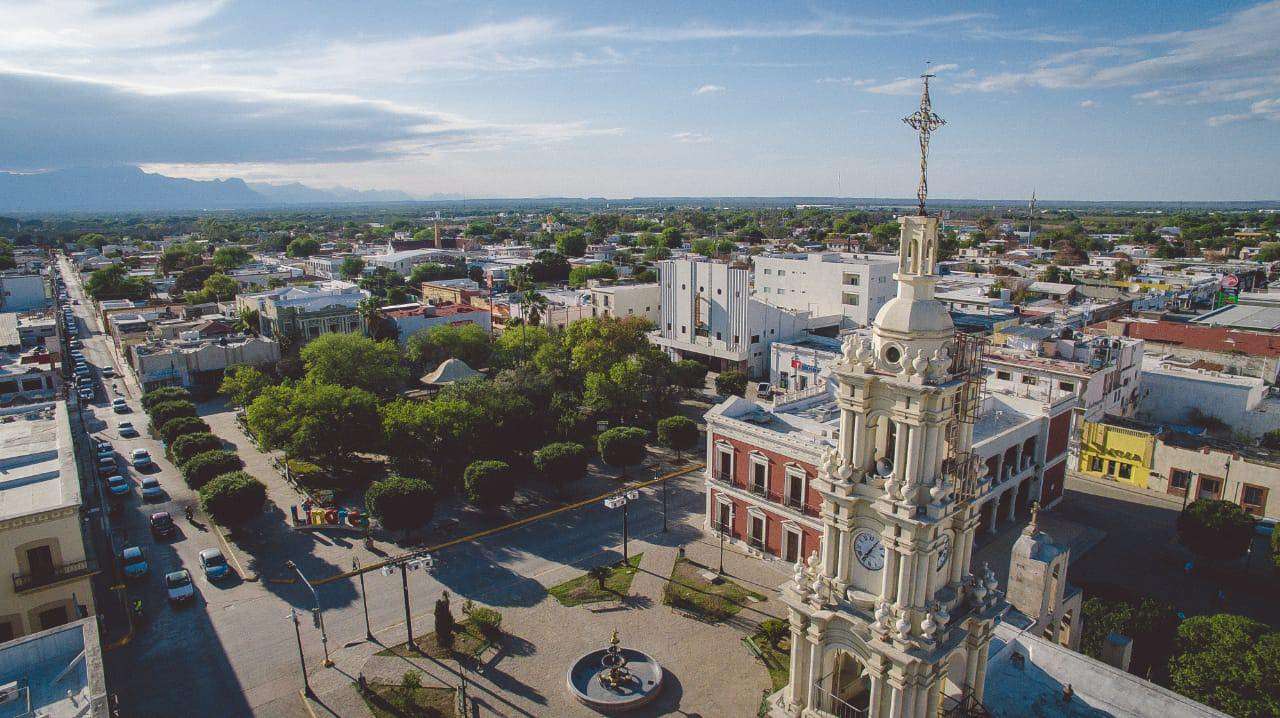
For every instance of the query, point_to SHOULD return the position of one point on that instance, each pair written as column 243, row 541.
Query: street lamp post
column 408, row 562
column 306, row 684
column 364, row 598
column 622, row 500
column 721, row 532
column 319, row 614
column 664, row 506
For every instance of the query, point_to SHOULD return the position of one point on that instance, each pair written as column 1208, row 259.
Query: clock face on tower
column 944, row 552
column 869, row 549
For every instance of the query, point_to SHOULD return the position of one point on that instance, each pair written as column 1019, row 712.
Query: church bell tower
column 891, row 621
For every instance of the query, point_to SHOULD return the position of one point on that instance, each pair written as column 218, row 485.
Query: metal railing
column 31, row 581
column 835, row 705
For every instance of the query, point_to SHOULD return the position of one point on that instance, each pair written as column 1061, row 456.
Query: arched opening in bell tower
column 846, row 690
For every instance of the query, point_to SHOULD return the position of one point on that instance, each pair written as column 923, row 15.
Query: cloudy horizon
column 1091, row 102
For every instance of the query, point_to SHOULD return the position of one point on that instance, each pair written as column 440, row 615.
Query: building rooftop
column 1000, row 413
column 431, row 310
column 37, row 462
column 1027, row 675
column 1155, row 364
column 1244, row 316
column 9, row 336
column 60, row 670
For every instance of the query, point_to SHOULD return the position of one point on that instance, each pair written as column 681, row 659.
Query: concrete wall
column 1175, row 396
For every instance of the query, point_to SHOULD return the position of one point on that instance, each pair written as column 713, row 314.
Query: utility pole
column 368, row 630
column 406, row 563
column 306, row 684
column 408, row 616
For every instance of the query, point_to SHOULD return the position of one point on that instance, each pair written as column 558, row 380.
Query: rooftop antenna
column 1032, row 216
column 924, row 122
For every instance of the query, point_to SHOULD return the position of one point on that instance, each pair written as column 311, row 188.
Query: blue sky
column 1080, row 100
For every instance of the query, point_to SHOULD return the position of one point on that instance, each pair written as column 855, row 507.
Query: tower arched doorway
column 845, row 691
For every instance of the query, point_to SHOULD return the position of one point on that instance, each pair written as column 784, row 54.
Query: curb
column 226, row 546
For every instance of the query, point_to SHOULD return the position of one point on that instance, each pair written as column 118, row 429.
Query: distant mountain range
column 129, row 189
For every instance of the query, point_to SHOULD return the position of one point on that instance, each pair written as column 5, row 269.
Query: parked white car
column 179, row 586
column 140, row 458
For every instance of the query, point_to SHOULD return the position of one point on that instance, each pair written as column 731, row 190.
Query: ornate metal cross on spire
column 924, row 122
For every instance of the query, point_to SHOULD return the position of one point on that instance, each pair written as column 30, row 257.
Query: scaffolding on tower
column 966, row 367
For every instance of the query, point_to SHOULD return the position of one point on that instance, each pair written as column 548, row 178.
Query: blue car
column 214, row 565
column 135, row 562
column 117, row 485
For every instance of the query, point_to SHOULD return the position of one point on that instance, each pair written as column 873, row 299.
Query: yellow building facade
column 1117, row 453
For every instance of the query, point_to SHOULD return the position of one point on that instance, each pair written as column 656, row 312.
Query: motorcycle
column 138, row 612
column 190, row 514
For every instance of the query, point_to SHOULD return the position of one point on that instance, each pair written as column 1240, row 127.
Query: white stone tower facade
column 891, row 621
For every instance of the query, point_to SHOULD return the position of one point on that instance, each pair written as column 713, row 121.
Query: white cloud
column 1261, row 110
column 907, row 85
column 852, row 82
column 826, row 26
column 690, row 138
column 155, row 126
column 64, row 25
column 1235, row 59
column 709, row 90
column 1088, row 104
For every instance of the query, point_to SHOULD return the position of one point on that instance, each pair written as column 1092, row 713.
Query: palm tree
column 368, row 310
column 534, row 303
column 248, row 321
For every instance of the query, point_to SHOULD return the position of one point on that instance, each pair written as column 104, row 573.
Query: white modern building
column 851, row 286
column 706, row 312
column 403, row 261
column 625, row 300
column 802, row 363
column 22, row 292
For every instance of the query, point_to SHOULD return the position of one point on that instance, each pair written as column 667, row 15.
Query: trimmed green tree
column 731, row 383
column 401, row 503
column 622, row 446
column 233, row 498
column 188, row 445
column 166, row 393
column 561, row 463
column 488, row 483
column 690, row 375
column 355, row 361
column 1228, row 662
column 243, row 383
column 181, row 426
column 1215, row 530
column 1150, row 623
column 167, row 411
column 202, row 468
column 678, row 433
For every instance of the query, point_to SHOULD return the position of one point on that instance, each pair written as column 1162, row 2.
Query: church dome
column 908, row 315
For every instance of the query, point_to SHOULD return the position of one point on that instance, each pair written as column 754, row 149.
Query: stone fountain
column 615, row 679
